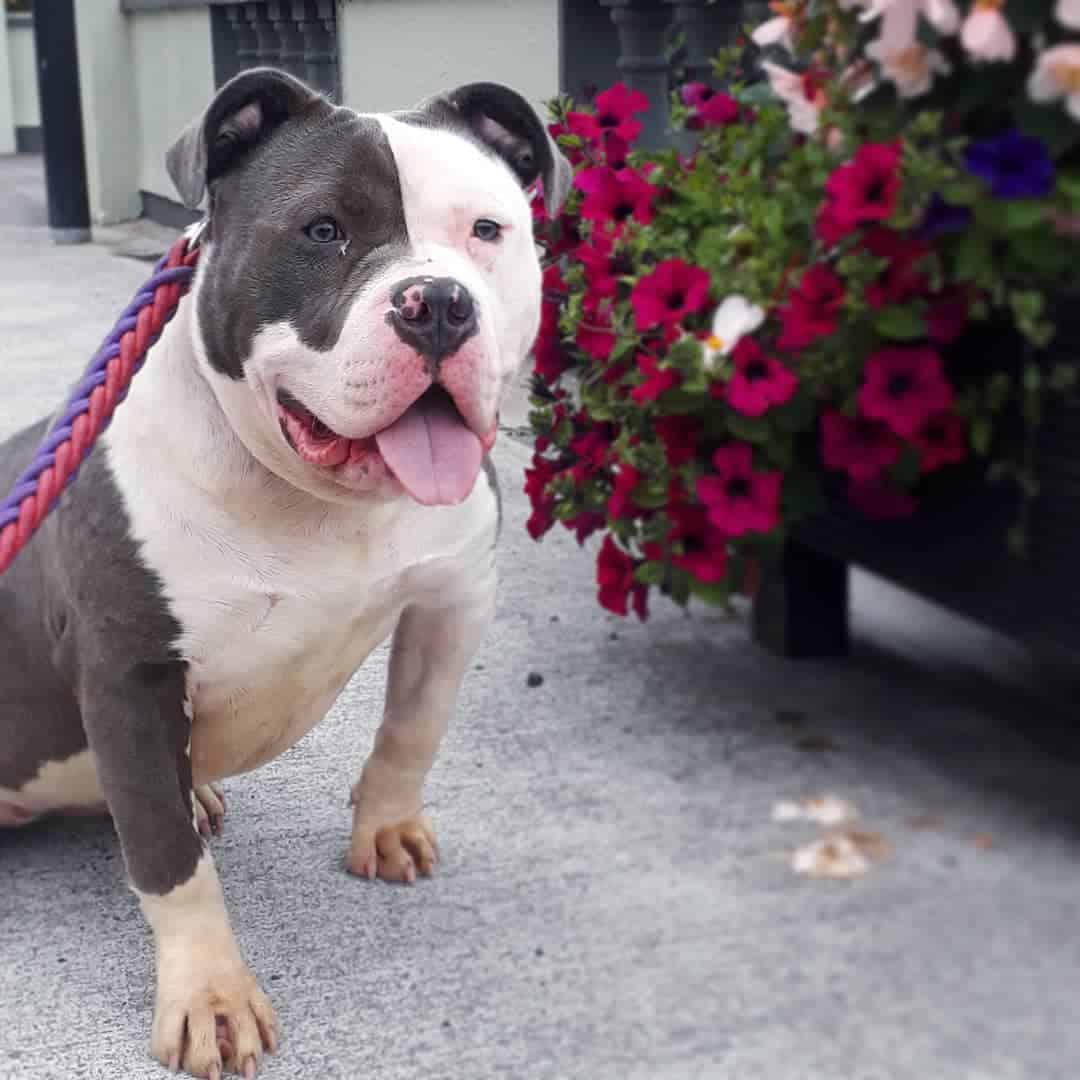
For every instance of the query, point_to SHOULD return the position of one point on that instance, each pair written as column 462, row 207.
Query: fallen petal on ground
column 823, row 809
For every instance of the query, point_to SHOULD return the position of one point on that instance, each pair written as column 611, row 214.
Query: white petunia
column 941, row 14
column 911, row 68
column 790, row 88
column 986, row 35
column 775, row 31
column 1067, row 12
column 733, row 319
column 1057, row 75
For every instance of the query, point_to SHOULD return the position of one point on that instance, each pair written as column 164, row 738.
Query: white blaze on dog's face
column 369, row 284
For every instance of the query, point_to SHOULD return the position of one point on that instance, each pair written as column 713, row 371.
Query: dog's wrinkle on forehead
column 321, row 161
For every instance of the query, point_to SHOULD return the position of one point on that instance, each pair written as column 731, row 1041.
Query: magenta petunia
column 614, row 114
column 860, row 447
column 602, row 265
column 948, row 316
column 680, row 436
column 704, row 548
column 618, row 589
column 665, row 297
column 879, row 500
column 812, row 309
column 902, row 279
column 861, row 191
column 549, row 356
column 627, row 479
column 739, row 500
column 942, row 440
column 904, row 387
column 537, row 479
column 615, row 196
column 708, row 107
column 595, row 333
column 760, row 382
column 658, row 380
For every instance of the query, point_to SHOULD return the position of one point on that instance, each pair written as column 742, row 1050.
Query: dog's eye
column 324, row 230
column 487, row 230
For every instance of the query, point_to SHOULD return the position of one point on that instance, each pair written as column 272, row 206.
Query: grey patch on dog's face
column 269, row 215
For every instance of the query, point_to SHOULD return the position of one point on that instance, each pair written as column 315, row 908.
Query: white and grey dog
column 297, row 474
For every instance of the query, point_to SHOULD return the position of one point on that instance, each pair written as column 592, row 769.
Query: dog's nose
column 434, row 315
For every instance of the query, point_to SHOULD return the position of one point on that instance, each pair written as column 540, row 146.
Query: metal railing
column 649, row 44
column 298, row 36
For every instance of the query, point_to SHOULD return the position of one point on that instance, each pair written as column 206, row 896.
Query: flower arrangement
column 845, row 290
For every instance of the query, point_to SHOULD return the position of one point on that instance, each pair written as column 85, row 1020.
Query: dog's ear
column 246, row 111
column 505, row 121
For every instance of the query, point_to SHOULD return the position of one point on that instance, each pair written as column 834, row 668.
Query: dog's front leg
column 209, row 1013
column 432, row 647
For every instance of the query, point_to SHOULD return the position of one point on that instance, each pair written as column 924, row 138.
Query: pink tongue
column 432, row 453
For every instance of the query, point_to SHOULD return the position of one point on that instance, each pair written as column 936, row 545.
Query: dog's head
column 369, row 283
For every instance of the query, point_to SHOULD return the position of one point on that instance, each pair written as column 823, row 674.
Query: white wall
column 7, row 111
column 173, row 64
column 110, row 131
column 396, row 52
column 143, row 78
column 21, row 57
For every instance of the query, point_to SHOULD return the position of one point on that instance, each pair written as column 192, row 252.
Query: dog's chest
column 267, row 660
column 275, row 615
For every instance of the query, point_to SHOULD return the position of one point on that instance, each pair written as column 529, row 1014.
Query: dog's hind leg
column 44, row 762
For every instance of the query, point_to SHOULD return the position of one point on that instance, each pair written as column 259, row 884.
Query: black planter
column 953, row 551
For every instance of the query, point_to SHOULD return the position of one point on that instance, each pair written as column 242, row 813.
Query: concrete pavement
column 614, row 901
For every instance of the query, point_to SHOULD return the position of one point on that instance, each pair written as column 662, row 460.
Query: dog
column 300, row 472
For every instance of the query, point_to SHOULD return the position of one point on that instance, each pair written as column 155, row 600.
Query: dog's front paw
column 209, row 810
column 393, row 852
column 210, row 1020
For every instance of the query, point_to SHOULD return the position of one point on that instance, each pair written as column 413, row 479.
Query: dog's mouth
column 430, row 448
column 312, row 439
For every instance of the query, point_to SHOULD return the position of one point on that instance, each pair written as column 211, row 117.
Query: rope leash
column 92, row 402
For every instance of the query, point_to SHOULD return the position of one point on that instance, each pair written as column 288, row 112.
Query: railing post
column 642, row 26
column 704, row 33
column 266, row 46
column 61, row 121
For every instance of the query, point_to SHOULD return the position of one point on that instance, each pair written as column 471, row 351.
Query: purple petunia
column 942, row 217
column 1013, row 165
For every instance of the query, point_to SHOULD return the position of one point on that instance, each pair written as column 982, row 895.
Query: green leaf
column 715, row 593
column 1050, row 123
column 973, row 256
column 780, row 453
column 1069, row 186
column 1063, row 378
column 906, row 469
column 982, row 431
column 680, row 586
column 801, row 495
column 998, row 390
column 961, row 193
column 1032, row 378
column 900, row 323
column 650, row 573
column 1020, row 214
column 747, row 428
column 1018, row 541
column 1041, row 252
column 799, row 414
